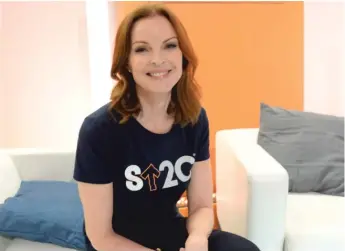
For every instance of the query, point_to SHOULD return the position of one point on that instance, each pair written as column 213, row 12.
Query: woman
column 138, row 154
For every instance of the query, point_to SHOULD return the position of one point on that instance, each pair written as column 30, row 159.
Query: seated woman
column 140, row 152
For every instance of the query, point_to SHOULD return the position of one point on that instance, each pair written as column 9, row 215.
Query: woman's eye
column 170, row 46
column 139, row 49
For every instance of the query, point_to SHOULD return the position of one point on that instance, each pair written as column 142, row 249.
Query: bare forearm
column 200, row 222
column 115, row 242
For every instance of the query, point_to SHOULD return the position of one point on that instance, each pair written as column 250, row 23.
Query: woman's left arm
column 200, row 220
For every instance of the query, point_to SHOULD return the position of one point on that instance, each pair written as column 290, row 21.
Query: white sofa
column 252, row 196
column 31, row 164
column 253, row 200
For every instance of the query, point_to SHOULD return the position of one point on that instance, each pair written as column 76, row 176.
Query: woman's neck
column 154, row 106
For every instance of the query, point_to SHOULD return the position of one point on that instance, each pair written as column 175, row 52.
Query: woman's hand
column 196, row 243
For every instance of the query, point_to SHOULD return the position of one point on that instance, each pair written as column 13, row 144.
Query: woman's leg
column 224, row 241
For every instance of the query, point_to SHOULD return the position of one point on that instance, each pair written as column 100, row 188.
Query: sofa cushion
column 9, row 178
column 309, row 146
column 44, row 211
column 314, row 222
column 25, row 245
column 4, row 242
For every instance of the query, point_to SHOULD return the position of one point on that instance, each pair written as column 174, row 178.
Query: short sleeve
column 202, row 137
column 92, row 164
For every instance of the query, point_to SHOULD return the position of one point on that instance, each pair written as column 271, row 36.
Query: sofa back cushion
column 309, row 146
column 44, row 164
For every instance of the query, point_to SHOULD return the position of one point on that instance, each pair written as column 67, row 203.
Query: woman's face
column 155, row 59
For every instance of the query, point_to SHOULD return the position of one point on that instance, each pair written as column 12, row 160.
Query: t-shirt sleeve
column 203, row 137
column 92, row 163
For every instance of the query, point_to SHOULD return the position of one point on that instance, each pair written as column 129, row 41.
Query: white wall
column 2, row 89
column 46, row 72
column 98, row 37
column 324, row 65
column 112, row 24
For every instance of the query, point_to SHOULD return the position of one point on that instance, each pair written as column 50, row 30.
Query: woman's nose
column 157, row 59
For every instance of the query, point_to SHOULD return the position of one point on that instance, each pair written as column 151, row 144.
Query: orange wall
column 248, row 53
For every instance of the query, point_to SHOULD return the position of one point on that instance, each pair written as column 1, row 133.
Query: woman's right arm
column 97, row 201
column 94, row 173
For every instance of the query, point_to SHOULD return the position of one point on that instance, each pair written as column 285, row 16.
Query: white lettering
column 178, row 167
column 133, row 183
column 169, row 182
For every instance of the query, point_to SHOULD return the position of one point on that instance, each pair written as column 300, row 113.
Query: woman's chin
column 161, row 89
column 158, row 87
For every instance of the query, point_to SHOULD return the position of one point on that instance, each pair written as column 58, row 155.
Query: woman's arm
column 97, row 202
column 200, row 220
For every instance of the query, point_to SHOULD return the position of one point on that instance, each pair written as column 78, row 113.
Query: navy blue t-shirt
column 149, row 171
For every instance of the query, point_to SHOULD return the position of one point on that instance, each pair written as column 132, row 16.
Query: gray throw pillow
column 309, row 146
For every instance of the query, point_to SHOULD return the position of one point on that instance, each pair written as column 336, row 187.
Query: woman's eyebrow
column 144, row 42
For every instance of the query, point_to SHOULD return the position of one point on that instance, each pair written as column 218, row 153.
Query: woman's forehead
column 152, row 29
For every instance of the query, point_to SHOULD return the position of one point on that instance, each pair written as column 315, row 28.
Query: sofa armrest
column 42, row 164
column 4, row 242
column 9, row 178
column 252, row 189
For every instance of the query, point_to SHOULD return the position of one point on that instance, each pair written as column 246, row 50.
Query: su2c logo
column 135, row 178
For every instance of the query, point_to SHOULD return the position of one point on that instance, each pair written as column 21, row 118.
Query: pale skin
column 152, row 46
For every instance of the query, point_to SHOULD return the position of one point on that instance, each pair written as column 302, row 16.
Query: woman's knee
column 224, row 241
